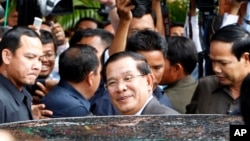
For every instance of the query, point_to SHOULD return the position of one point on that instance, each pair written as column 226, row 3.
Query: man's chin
column 225, row 83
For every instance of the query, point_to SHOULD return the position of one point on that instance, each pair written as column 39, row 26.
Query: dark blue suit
column 65, row 101
column 101, row 103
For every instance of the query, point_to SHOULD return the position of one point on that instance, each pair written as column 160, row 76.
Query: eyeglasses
column 48, row 56
column 126, row 79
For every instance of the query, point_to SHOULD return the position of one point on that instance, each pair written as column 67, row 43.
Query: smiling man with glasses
column 129, row 82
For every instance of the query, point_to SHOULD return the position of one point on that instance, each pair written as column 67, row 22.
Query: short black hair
column 177, row 24
column 85, row 19
column 77, row 62
column 105, row 36
column 142, row 64
column 140, row 11
column 235, row 34
column 182, row 50
column 47, row 37
column 12, row 38
column 147, row 40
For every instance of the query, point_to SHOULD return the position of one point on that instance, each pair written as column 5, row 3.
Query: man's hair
column 147, row 40
column 140, row 11
column 235, row 34
column 176, row 24
column 47, row 37
column 77, row 62
column 106, row 37
column 244, row 99
column 85, row 19
column 182, row 50
column 12, row 39
column 141, row 65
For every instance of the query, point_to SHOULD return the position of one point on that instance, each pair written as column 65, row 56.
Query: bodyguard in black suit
column 21, row 50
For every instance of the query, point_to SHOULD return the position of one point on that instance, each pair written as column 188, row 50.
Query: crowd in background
column 128, row 66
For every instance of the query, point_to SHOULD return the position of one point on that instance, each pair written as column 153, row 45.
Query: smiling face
column 48, row 61
column 227, row 68
column 24, row 66
column 130, row 96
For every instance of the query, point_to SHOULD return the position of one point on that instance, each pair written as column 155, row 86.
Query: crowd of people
column 131, row 68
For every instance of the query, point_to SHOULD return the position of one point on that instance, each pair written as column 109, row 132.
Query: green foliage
column 177, row 10
column 68, row 21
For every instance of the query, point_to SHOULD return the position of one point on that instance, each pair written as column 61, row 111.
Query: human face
column 227, row 68
column 156, row 61
column 169, row 75
column 87, row 24
column 128, row 97
column 96, row 80
column 48, row 60
column 24, row 66
column 110, row 29
column 138, row 24
column 177, row 31
column 96, row 42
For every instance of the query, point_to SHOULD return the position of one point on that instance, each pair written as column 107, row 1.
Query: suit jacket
column 155, row 108
column 181, row 92
column 65, row 101
column 15, row 105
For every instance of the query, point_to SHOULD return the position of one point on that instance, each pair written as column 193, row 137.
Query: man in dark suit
column 129, row 82
column 21, row 53
column 79, row 69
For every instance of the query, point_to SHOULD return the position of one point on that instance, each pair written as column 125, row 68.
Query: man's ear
column 6, row 56
column 246, row 57
column 150, row 79
column 90, row 77
column 178, row 68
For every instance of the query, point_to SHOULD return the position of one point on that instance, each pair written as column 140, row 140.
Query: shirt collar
column 140, row 111
column 16, row 94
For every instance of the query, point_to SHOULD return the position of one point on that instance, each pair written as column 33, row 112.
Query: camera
column 145, row 3
column 206, row 5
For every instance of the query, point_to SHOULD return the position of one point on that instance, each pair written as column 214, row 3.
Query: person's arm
column 113, row 16
column 119, row 42
column 195, row 26
column 232, row 17
column 156, row 7
column 62, row 42
column 246, row 20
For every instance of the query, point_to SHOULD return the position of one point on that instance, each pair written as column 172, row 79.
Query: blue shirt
column 66, row 101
